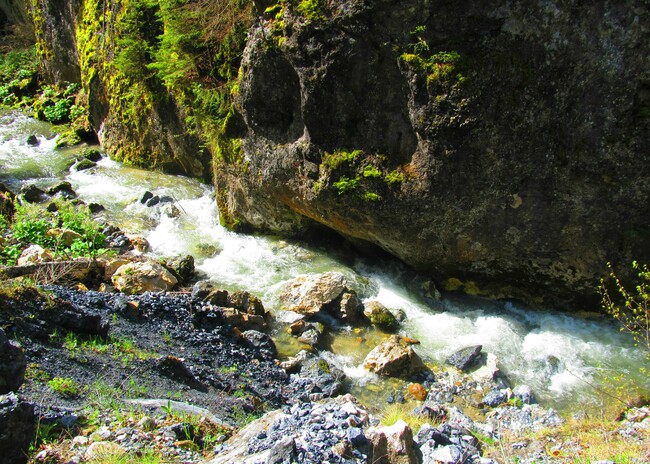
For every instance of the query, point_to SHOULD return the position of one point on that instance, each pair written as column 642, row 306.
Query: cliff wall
column 502, row 147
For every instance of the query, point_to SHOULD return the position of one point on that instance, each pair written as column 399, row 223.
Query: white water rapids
column 561, row 357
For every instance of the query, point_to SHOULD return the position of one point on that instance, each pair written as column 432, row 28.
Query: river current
column 565, row 359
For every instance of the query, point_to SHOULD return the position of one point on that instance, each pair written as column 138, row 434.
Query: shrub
column 630, row 307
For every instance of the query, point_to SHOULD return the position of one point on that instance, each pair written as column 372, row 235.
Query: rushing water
column 560, row 356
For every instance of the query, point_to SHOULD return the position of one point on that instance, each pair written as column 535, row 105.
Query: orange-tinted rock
column 418, row 391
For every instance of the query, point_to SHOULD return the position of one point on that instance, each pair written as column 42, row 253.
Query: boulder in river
column 465, row 358
column 380, row 316
column 33, row 194
column 394, row 358
column 329, row 293
column 140, row 277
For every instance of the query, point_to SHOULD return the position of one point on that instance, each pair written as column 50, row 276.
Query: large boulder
column 17, row 427
column 12, row 365
column 395, row 358
column 328, row 293
column 392, row 444
column 140, row 277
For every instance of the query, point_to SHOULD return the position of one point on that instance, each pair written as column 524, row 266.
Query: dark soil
column 143, row 346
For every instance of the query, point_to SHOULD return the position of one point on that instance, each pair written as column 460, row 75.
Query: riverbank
column 153, row 380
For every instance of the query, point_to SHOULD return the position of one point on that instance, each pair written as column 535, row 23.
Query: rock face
column 12, row 365
column 16, row 429
column 394, row 358
column 504, row 144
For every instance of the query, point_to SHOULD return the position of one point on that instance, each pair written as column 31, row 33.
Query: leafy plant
column 371, row 172
column 340, row 157
column 631, row 308
column 64, row 386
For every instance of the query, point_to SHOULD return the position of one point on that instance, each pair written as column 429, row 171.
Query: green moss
column 371, row 196
column 340, row 158
column 313, row 10
column 324, row 366
column 345, row 185
column 371, row 172
column 394, row 177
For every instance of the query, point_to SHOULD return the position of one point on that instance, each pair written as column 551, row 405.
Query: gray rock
column 261, row 341
column 465, row 358
column 84, row 164
column 495, row 398
column 12, row 364
column 17, row 428
column 524, row 393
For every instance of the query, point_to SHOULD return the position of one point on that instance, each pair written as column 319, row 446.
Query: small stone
column 495, row 398
column 418, row 391
column 80, row 441
column 147, row 423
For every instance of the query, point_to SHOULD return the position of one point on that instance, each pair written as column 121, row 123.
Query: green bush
column 345, row 185
column 630, row 307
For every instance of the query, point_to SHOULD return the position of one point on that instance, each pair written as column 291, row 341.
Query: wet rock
column 34, row 254
column 465, row 358
column 321, row 293
column 153, row 201
column 182, row 267
column 32, row 140
column 393, row 358
column 65, row 236
column 83, row 165
column 92, row 154
column 12, row 364
column 140, row 277
column 138, row 243
column 262, row 342
column 380, row 316
column 17, row 427
column 33, row 194
column 524, row 393
column 95, row 208
column 146, row 196
column 392, row 444
column 64, row 189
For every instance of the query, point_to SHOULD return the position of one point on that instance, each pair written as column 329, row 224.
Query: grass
column 579, row 441
column 404, row 411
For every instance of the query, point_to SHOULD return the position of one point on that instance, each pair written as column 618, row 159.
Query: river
column 565, row 359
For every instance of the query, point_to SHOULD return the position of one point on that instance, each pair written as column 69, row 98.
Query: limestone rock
column 34, row 254
column 17, row 427
column 140, row 277
column 393, row 358
column 329, row 293
column 380, row 316
column 392, row 444
column 12, row 365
